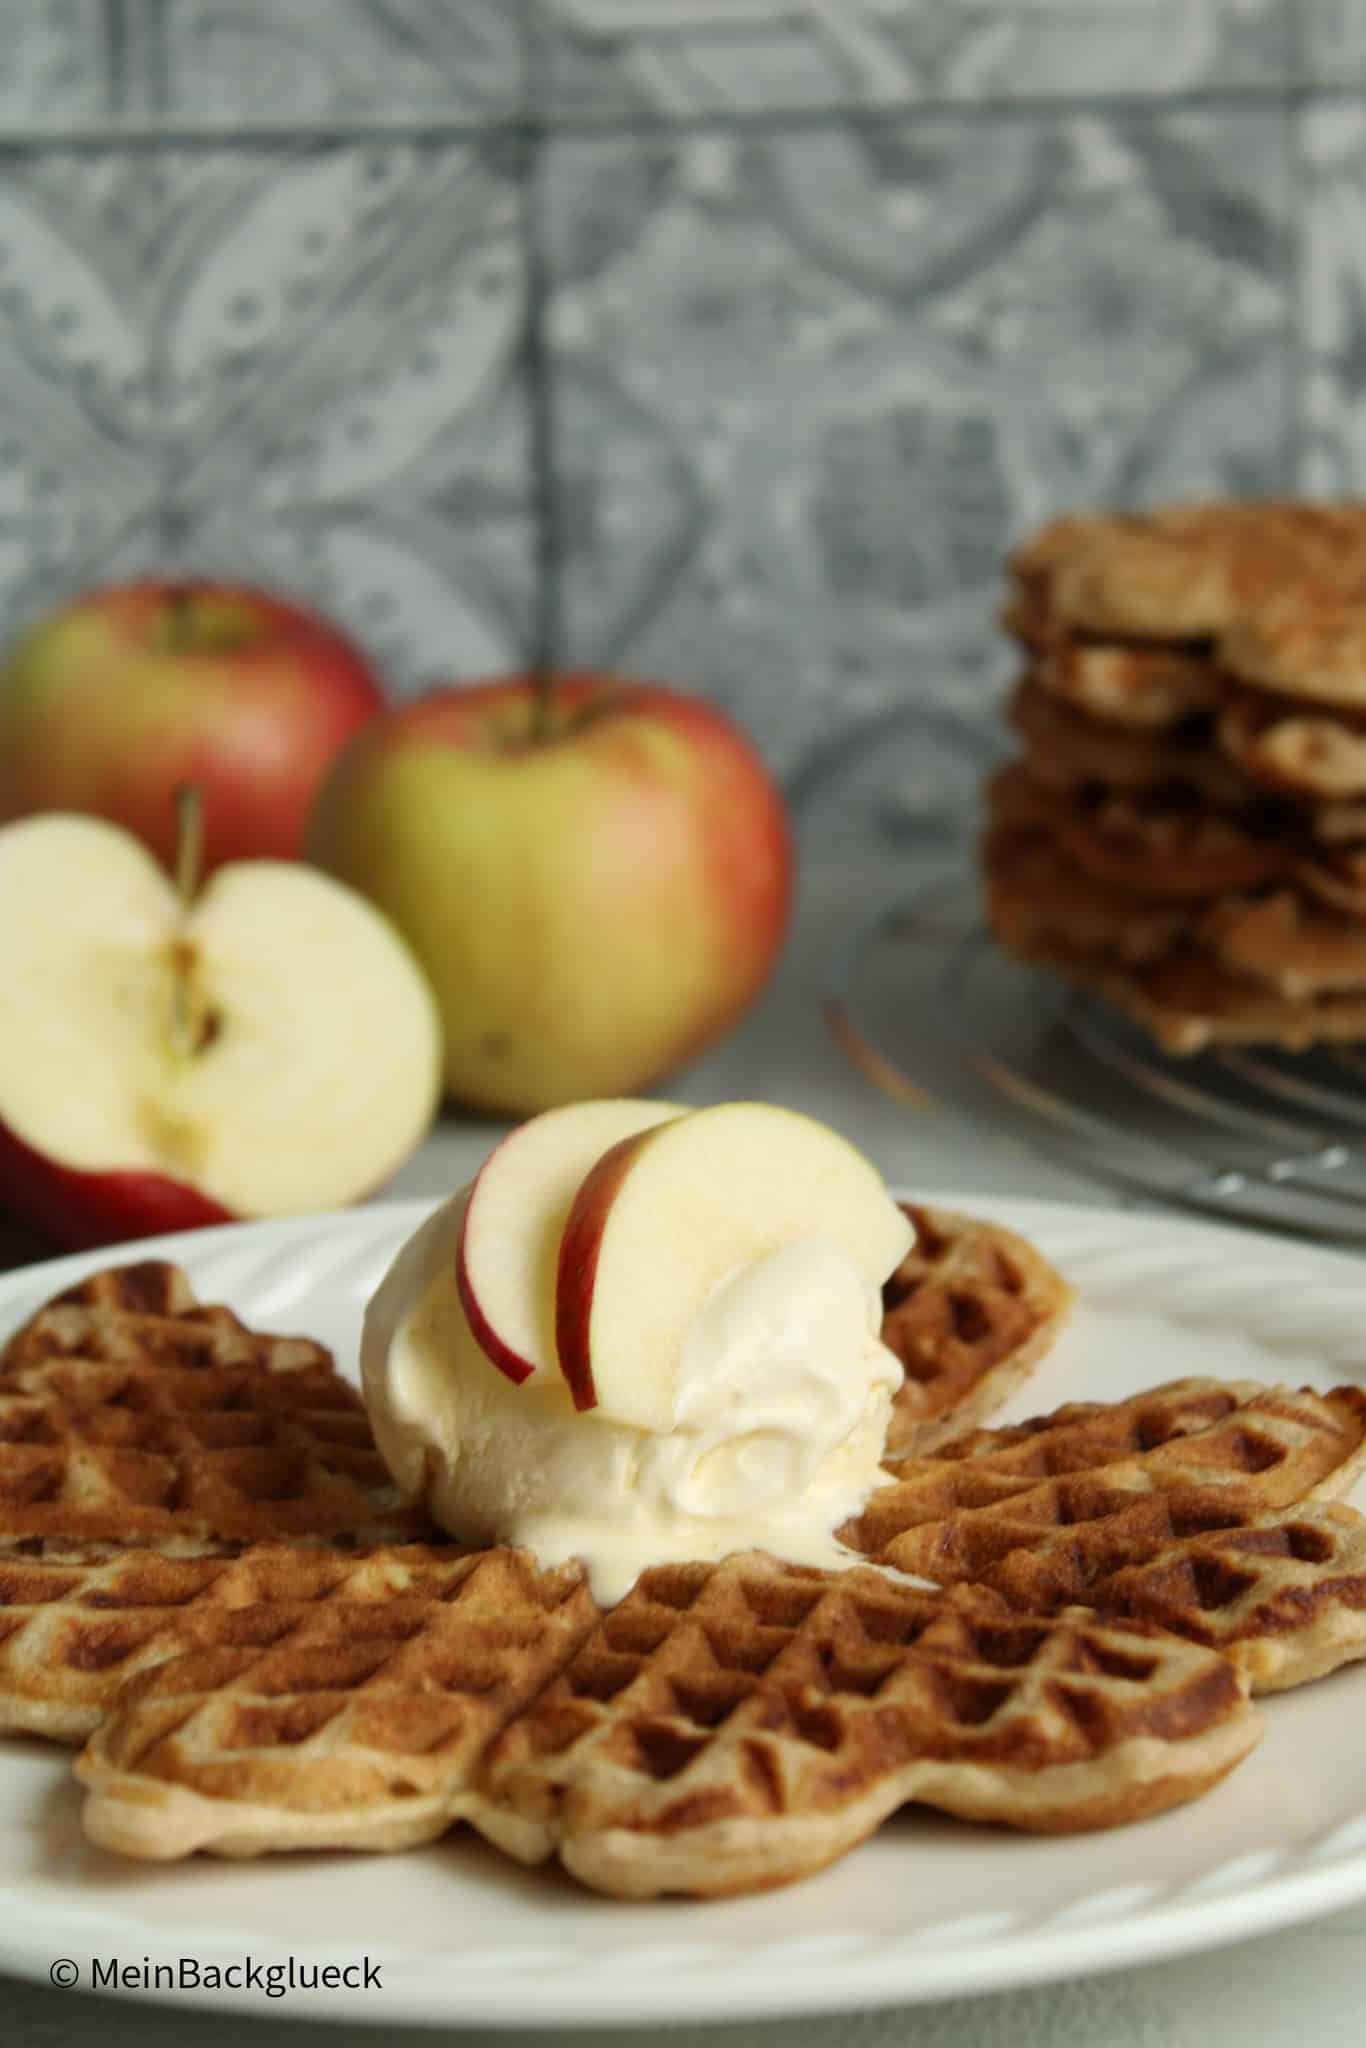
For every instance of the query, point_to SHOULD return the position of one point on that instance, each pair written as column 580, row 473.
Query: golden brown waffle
column 1337, row 875
column 1134, row 691
column 1301, row 641
column 131, row 1413
column 1119, row 1577
column 1160, row 843
column 1067, row 750
column 1161, row 642
column 1296, row 1444
column 739, row 1725
column 729, row 1725
column 1337, row 824
column 1287, row 944
column 143, row 1314
column 969, row 1312
column 1203, row 1497
column 1035, row 895
column 320, row 1703
column 1187, row 571
column 1309, row 753
column 1166, row 846
column 1189, row 1003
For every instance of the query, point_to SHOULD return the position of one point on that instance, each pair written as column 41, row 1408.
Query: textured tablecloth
column 1302, row 1988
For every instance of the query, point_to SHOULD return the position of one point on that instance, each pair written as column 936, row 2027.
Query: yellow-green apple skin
column 593, row 904
column 112, row 703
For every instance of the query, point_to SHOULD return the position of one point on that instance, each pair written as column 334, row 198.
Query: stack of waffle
column 1185, row 828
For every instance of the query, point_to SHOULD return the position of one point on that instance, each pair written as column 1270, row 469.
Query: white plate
column 927, row 1908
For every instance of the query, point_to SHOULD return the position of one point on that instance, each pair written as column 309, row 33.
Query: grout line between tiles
column 114, row 25
column 168, row 132
column 156, row 57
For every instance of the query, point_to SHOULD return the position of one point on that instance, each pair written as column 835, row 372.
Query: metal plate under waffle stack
column 922, row 998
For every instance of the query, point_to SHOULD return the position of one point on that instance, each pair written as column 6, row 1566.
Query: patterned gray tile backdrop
column 730, row 341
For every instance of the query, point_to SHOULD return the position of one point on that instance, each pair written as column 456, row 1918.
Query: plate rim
column 774, row 1980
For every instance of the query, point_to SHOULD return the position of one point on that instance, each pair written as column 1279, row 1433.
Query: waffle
column 321, row 1702
column 1337, row 875
column 1158, row 843
column 1302, row 642
column 1302, row 750
column 1163, row 845
column 1210, row 1506
column 1133, row 691
column 1194, row 728
column 144, row 1314
column 1067, row 750
column 1036, row 896
column 1118, row 1579
column 1187, row 1002
column 969, row 1311
column 1287, row 944
column 1188, row 571
column 1337, row 824
column 131, row 1413
column 735, row 1726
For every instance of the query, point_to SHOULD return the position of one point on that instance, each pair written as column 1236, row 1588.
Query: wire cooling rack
column 924, row 1002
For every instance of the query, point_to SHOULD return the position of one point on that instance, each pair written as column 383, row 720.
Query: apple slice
column 268, row 1046
column 510, row 1238
column 666, row 1215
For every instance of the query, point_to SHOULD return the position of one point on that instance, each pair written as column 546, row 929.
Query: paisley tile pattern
column 687, row 58
column 58, row 62
column 809, row 385
column 1333, row 141
column 224, row 63
column 733, row 340
column 1333, row 36
column 296, row 365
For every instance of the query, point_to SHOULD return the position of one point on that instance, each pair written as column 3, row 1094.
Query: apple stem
column 189, row 842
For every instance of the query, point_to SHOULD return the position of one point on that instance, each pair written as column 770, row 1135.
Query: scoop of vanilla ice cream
column 782, row 1405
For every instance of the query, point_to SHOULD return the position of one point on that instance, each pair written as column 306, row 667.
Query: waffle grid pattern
column 129, row 1412
column 968, row 1311
column 754, row 1716
column 1120, row 1578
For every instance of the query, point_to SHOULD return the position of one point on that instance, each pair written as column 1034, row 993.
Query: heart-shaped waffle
column 1209, row 1504
column 316, row 1701
column 132, row 1413
column 735, row 1726
column 969, row 1311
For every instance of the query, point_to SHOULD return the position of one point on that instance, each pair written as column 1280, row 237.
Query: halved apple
column 167, row 1059
column 509, row 1243
column 666, row 1215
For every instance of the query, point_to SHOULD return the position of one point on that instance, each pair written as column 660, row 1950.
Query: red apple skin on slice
column 665, row 1217
column 579, row 1249
column 517, row 1368
column 80, row 1210
column 505, row 1268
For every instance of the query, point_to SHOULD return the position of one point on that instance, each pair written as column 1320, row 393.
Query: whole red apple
column 110, row 704
column 596, row 877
